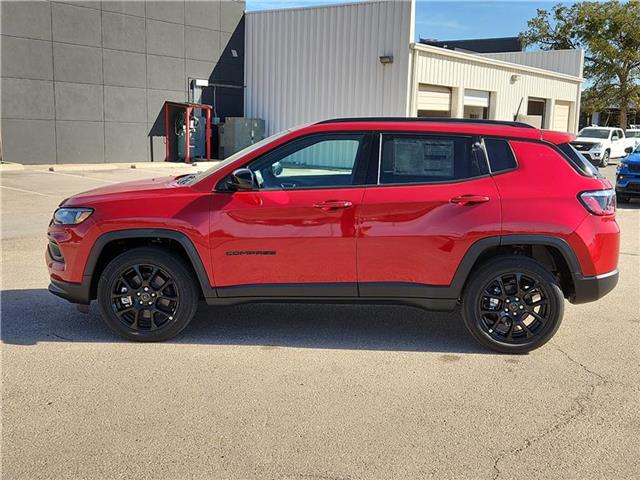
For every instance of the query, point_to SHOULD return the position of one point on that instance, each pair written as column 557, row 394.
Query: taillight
column 599, row 202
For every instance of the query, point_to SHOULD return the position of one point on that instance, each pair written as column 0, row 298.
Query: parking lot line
column 25, row 191
column 82, row 176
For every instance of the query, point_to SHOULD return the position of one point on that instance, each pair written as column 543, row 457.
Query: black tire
column 604, row 161
column 521, row 324
column 158, row 277
column 622, row 198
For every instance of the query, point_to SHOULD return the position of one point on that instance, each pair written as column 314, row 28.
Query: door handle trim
column 333, row 204
column 469, row 199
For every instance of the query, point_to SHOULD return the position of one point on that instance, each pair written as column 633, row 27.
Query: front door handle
column 469, row 199
column 331, row 205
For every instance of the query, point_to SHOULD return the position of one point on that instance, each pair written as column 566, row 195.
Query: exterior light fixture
column 385, row 59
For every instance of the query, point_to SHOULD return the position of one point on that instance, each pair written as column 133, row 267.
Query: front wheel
column 147, row 294
column 512, row 305
column 605, row 159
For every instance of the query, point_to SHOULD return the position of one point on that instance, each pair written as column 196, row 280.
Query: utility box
column 237, row 133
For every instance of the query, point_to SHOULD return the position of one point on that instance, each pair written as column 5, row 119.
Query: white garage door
column 561, row 116
column 433, row 98
column 476, row 98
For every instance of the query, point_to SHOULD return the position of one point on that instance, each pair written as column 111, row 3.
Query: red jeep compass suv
column 499, row 217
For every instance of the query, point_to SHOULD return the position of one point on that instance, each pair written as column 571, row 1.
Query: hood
column 591, row 140
column 132, row 190
column 633, row 158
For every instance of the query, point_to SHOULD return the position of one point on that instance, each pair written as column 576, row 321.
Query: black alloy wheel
column 513, row 305
column 147, row 294
column 144, row 297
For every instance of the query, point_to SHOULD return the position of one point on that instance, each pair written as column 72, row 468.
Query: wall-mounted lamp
column 515, row 78
column 385, row 59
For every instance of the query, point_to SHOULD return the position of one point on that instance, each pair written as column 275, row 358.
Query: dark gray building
column 85, row 81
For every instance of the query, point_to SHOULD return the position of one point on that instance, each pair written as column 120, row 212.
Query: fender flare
column 479, row 247
column 162, row 233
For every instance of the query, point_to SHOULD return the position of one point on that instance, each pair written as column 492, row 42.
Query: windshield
column 633, row 133
column 594, row 133
column 195, row 177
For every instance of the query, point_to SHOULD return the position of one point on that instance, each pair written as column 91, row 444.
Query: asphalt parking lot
column 304, row 391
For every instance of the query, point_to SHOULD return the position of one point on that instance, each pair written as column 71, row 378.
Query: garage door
column 476, row 98
column 561, row 116
column 433, row 98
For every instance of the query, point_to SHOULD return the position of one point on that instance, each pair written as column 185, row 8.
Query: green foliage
column 609, row 33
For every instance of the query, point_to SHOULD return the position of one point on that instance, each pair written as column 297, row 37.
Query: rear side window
column 577, row 161
column 409, row 158
column 500, row 155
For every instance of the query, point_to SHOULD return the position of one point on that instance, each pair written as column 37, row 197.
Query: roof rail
column 427, row 119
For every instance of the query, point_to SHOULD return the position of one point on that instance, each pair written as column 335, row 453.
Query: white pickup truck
column 600, row 144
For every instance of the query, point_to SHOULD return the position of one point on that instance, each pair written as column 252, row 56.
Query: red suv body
column 431, row 213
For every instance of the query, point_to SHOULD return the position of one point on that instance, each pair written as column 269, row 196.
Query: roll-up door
column 433, row 98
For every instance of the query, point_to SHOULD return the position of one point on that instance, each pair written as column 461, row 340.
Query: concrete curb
column 74, row 167
column 11, row 167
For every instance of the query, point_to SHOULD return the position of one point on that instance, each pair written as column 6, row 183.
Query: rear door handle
column 469, row 199
column 330, row 205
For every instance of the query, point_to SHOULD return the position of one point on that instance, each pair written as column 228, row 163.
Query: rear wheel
column 147, row 294
column 513, row 305
column 604, row 161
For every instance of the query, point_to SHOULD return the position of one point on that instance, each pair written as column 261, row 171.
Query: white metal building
column 308, row 64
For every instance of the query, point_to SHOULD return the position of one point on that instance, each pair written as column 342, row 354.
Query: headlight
column 622, row 165
column 71, row 216
column 597, row 146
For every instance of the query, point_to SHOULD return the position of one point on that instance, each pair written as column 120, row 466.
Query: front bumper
column 629, row 184
column 589, row 289
column 79, row 293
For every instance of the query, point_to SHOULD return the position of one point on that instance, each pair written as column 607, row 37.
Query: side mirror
column 628, row 150
column 614, row 138
column 241, row 179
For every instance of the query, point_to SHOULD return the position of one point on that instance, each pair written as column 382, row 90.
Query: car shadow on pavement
column 33, row 316
column 634, row 204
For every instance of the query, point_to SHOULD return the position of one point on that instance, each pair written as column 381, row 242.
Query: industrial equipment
column 237, row 133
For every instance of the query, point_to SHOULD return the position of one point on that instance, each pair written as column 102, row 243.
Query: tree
column 608, row 33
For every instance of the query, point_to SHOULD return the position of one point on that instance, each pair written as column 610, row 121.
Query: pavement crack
column 577, row 408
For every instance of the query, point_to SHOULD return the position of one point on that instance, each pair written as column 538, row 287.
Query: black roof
column 426, row 119
column 478, row 45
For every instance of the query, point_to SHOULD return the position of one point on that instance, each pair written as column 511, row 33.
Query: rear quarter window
column 500, row 155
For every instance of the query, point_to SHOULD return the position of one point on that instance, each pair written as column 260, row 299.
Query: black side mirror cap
column 241, row 179
column 628, row 150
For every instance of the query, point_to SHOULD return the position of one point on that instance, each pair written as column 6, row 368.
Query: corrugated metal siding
column 337, row 154
column 461, row 71
column 309, row 64
column 563, row 61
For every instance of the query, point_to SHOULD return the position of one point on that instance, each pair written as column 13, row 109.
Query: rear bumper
column 79, row 293
column 589, row 289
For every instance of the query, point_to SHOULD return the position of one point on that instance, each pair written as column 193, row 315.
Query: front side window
column 430, row 159
column 320, row 161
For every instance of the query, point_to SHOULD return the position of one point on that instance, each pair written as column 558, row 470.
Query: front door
column 295, row 233
column 433, row 200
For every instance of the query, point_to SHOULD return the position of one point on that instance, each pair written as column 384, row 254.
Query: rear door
column 295, row 234
column 434, row 198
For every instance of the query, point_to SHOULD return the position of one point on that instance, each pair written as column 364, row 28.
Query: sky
column 449, row 20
